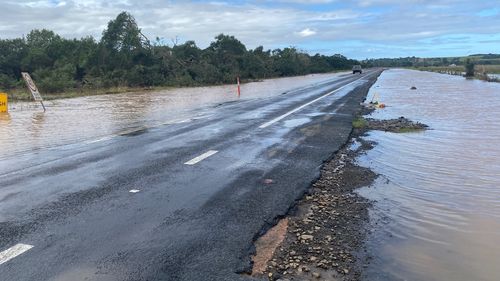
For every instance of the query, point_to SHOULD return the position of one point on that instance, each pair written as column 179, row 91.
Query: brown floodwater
column 87, row 119
column 437, row 209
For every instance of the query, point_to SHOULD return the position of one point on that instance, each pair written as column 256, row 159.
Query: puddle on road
column 292, row 123
column 437, row 209
column 67, row 121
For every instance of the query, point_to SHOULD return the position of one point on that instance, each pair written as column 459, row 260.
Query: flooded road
column 178, row 202
column 88, row 119
column 437, row 210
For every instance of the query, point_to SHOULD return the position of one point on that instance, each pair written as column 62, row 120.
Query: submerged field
column 484, row 72
column 436, row 210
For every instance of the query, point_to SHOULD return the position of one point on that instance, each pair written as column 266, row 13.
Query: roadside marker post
column 33, row 89
column 4, row 102
column 239, row 88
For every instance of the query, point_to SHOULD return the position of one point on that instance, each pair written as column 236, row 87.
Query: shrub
column 469, row 68
column 359, row 123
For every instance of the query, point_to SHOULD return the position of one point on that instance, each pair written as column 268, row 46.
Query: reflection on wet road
column 438, row 199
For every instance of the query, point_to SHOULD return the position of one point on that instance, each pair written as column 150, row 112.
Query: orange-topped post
column 239, row 88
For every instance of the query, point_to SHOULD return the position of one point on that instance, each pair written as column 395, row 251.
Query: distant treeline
column 482, row 59
column 125, row 57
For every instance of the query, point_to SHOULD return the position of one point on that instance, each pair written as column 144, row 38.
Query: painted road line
column 134, row 190
column 201, row 157
column 267, row 124
column 99, row 140
column 13, row 252
column 178, row 121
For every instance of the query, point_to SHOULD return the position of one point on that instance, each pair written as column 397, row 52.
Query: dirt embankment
column 323, row 238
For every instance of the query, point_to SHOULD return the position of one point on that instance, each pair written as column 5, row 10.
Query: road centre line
column 201, row 157
column 13, row 252
column 269, row 123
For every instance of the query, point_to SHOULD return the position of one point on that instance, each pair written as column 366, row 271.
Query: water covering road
column 438, row 199
column 69, row 121
column 163, row 195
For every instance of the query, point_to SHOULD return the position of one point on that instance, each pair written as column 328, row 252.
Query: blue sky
column 357, row 29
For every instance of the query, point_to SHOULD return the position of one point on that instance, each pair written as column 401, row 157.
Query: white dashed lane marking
column 201, row 157
column 13, row 252
column 267, row 124
column 134, row 190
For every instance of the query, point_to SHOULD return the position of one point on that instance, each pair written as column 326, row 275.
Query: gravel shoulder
column 326, row 230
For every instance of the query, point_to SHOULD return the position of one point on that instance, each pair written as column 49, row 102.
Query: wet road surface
column 176, row 201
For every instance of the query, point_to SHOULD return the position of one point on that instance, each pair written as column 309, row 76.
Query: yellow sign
column 3, row 102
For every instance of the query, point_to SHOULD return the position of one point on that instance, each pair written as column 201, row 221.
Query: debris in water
column 399, row 125
column 373, row 105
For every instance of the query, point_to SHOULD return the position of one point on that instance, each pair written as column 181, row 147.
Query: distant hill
column 486, row 56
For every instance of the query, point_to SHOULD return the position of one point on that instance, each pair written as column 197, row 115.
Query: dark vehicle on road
column 356, row 68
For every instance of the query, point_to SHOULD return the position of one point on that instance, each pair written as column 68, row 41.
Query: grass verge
column 359, row 123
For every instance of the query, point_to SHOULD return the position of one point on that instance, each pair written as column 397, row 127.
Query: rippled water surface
column 67, row 121
column 437, row 210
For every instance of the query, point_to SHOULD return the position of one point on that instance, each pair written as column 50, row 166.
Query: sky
column 357, row 29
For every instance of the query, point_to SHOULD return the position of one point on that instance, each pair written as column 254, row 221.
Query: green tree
column 226, row 53
column 122, row 34
column 125, row 52
column 469, row 68
column 12, row 53
column 125, row 57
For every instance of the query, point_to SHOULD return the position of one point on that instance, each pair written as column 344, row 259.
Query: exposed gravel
column 327, row 230
column 398, row 125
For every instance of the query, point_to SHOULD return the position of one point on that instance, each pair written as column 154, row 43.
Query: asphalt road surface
column 181, row 201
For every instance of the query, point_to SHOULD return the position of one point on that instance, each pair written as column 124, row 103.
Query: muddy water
column 437, row 210
column 69, row 121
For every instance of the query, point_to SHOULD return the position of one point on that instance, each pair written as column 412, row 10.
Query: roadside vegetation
column 359, row 123
column 124, row 58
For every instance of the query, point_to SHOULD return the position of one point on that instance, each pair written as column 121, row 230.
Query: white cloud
column 306, row 32
column 307, row 1
column 398, row 24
